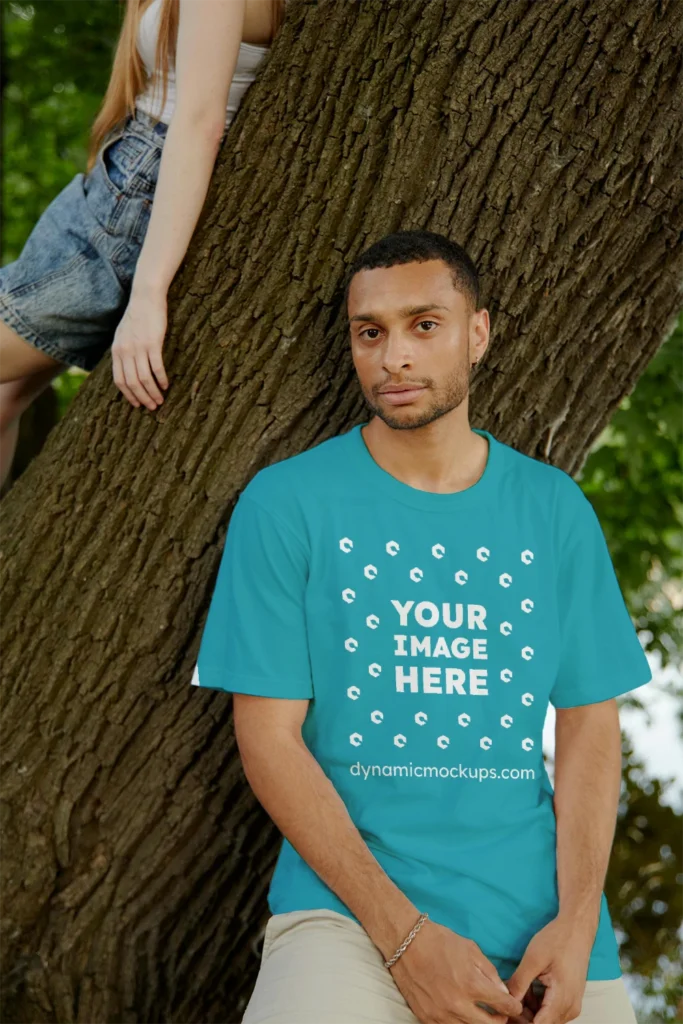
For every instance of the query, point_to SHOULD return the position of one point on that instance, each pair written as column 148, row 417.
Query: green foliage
column 67, row 385
column 58, row 56
column 643, row 884
column 634, row 479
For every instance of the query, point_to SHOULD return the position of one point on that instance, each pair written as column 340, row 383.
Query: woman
column 96, row 269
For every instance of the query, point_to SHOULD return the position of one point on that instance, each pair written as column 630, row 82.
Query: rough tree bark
column 545, row 137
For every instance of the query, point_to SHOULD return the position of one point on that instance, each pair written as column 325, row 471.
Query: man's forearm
column 309, row 812
column 587, row 785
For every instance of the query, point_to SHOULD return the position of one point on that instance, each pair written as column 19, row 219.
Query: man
column 395, row 608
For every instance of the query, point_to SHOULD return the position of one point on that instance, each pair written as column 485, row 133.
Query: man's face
column 432, row 348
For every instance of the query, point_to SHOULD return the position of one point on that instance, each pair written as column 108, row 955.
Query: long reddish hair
column 128, row 75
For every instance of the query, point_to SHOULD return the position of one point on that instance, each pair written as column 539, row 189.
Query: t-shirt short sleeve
column 600, row 654
column 255, row 638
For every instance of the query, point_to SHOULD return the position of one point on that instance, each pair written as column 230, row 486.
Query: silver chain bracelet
column 411, row 935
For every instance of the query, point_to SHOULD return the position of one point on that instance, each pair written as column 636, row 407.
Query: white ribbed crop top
column 249, row 57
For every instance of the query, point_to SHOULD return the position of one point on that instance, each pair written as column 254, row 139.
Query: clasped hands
column 446, row 979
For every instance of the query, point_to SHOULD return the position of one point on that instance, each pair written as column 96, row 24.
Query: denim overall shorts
column 68, row 289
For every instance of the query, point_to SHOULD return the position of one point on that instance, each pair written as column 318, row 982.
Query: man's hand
column 136, row 350
column 446, row 977
column 558, row 956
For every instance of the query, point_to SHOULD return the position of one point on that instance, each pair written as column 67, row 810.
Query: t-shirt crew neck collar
column 430, row 501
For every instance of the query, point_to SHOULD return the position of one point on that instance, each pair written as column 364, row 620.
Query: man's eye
column 375, row 331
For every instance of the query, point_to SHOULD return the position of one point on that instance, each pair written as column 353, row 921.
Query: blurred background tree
column 56, row 63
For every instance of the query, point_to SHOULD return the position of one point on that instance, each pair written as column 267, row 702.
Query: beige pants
column 327, row 970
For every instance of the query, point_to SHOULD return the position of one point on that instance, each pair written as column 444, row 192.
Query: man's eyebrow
column 409, row 311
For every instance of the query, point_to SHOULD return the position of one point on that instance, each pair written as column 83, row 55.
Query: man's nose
column 398, row 352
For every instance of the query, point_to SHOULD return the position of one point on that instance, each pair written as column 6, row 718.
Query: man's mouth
column 401, row 394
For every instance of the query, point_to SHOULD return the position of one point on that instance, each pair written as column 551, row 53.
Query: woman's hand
column 136, row 349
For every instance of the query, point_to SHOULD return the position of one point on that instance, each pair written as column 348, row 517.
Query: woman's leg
column 19, row 359
column 25, row 372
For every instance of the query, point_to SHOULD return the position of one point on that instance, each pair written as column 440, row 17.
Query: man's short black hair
column 420, row 245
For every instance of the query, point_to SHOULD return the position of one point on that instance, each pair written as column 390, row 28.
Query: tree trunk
column 544, row 137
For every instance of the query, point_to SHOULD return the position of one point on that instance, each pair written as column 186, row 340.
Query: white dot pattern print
column 449, row 615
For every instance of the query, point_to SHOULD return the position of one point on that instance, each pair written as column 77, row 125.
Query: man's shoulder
column 298, row 478
column 535, row 471
column 558, row 491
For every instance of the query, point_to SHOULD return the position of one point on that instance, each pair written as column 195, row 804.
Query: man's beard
column 449, row 396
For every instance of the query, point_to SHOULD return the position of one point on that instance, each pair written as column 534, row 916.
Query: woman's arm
column 209, row 36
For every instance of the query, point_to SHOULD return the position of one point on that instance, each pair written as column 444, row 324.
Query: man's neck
column 443, row 456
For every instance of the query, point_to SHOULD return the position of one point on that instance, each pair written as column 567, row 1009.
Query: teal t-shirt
column 429, row 631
